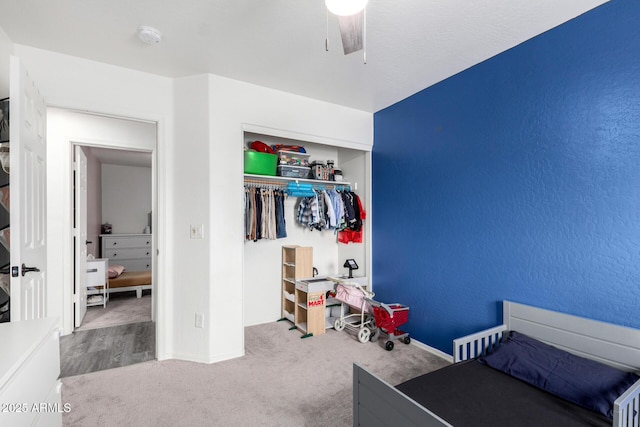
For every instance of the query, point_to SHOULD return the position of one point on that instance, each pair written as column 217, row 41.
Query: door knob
column 26, row 269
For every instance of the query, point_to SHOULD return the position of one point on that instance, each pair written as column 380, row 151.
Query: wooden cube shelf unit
column 297, row 263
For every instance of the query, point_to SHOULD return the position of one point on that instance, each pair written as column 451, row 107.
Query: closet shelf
column 283, row 179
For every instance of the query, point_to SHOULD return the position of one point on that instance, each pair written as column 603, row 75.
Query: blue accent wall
column 516, row 179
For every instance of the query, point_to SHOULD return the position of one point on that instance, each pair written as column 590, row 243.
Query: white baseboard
column 432, row 350
column 197, row 358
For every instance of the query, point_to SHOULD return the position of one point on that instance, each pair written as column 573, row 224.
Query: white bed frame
column 137, row 288
column 377, row 403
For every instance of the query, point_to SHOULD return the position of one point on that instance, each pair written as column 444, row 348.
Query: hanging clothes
column 258, row 211
column 248, row 212
column 330, row 212
column 322, row 212
column 308, row 211
column 341, row 211
column 264, row 213
column 349, row 210
column 338, row 208
column 354, row 231
column 281, row 226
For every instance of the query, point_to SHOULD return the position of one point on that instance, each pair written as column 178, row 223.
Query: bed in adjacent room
column 121, row 280
column 539, row 368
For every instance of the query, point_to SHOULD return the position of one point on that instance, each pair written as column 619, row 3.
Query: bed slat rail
column 626, row 408
column 478, row 344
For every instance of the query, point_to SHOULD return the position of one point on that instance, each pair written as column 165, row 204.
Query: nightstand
column 97, row 282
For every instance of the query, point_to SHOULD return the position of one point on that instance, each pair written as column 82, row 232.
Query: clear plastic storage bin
column 292, row 158
column 293, row 171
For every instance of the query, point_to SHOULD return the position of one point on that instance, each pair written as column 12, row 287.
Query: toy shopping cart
column 356, row 297
column 388, row 317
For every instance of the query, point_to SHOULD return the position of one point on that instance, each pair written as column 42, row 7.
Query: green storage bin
column 260, row 163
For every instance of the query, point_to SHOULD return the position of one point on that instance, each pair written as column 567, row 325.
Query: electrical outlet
column 199, row 320
column 197, row 231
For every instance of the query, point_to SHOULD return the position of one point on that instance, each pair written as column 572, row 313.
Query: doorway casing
column 65, row 134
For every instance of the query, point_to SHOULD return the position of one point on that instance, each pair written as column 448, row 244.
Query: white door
column 80, row 235
column 27, row 179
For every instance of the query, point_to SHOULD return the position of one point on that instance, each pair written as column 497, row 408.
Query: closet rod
column 268, row 184
column 285, row 179
column 285, row 186
column 283, row 182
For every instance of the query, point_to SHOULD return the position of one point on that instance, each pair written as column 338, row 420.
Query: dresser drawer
column 127, row 242
column 136, row 264
column 127, row 253
column 132, row 251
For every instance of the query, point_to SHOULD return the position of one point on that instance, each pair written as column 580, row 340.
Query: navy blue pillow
column 585, row 382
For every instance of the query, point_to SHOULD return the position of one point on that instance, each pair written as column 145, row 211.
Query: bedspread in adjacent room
column 131, row 278
column 131, row 281
column 472, row 394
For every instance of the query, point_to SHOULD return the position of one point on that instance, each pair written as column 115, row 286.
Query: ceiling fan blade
column 351, row 32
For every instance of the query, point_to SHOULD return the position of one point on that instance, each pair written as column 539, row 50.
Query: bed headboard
column 614, row 345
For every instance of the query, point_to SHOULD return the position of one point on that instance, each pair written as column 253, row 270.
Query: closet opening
column 263, row 259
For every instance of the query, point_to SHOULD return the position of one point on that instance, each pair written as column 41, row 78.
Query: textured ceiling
column 411, row 44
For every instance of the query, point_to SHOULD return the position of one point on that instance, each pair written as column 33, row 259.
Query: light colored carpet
column 281, row 381
column 122, row 308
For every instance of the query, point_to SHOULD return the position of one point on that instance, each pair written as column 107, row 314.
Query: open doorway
column 109, row 323
column 112, row 240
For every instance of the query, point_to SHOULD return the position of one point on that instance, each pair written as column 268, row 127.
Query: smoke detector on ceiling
column 149, row 35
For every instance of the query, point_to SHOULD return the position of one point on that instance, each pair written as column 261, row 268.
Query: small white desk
column 98, row 281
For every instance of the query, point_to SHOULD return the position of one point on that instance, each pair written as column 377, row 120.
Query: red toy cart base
column 388, row 318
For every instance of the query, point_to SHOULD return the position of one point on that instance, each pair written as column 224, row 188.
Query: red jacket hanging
column 354, row 236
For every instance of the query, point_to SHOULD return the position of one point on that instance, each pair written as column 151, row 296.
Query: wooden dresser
column 133, row 251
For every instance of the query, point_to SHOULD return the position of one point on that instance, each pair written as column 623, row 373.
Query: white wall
column 237, row 107
column 192, row 279
column 66, row 128
column 85, row 85
column 126, row 197
column 200, row 182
